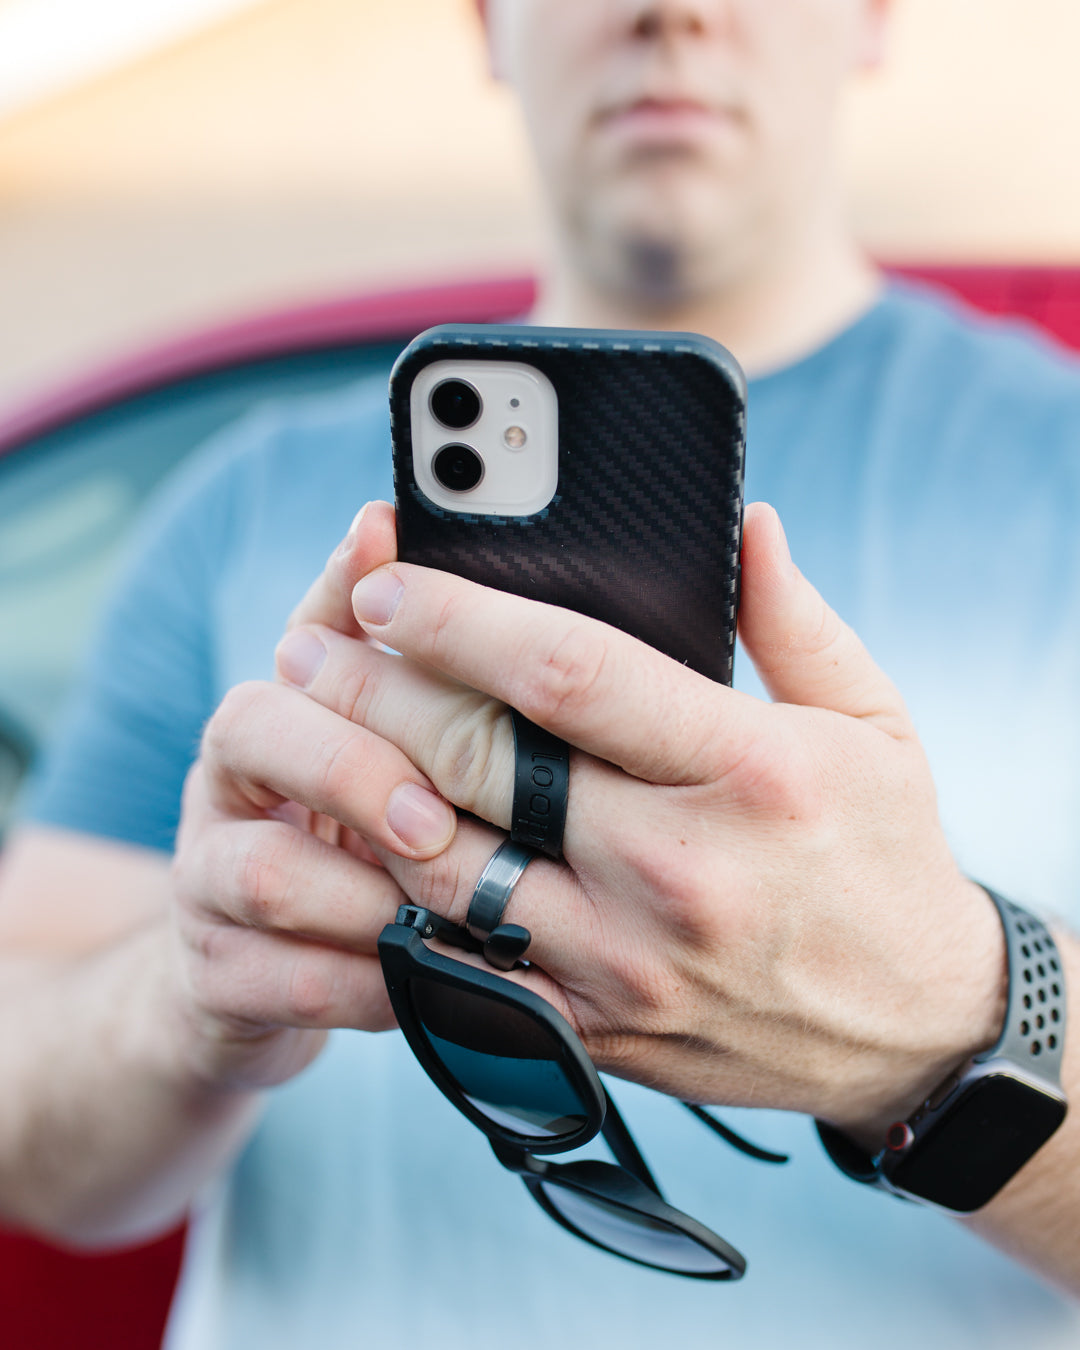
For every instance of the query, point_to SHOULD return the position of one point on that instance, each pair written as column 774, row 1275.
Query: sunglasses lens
column 509, row 1067
column 632, row 1234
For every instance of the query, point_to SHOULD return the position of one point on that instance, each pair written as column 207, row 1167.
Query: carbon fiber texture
column 645, row 527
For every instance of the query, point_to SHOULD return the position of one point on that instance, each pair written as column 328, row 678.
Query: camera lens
column 455, row 404
column 458, row 468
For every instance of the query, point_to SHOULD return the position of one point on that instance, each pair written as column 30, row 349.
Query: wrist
column 985, row 1121
column 138, row 1150
column 957, row 1014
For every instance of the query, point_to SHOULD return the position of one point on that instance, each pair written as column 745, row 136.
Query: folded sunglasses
column 515, row 1067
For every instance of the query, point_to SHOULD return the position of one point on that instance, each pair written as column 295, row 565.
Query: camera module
column 455, row 404
column 458, row 468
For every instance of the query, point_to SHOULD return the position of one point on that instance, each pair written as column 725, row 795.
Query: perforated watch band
column 1034, row 1032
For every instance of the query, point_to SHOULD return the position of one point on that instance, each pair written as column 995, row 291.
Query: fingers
column 804, row 653
column 594, row 948
column 268, row 875
column 267, row 744
column 547, row 900
column 460, row 739
column 371, row 541
column 270, row 980
column 279, row 928
column 587, row 682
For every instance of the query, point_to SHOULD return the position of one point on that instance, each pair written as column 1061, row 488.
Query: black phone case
column 645, row 527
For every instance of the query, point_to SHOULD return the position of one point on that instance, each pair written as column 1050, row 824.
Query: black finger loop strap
column 541, row 784
column 503, row 943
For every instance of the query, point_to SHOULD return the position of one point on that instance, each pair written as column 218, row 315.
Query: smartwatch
column 981, row 1125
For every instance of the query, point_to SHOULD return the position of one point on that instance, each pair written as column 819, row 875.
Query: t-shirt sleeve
column 219, row 560
column 117, row 764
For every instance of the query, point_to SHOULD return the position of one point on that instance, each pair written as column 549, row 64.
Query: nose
column 654, row 20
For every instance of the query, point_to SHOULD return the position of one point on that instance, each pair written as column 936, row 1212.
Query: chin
column 664, row 242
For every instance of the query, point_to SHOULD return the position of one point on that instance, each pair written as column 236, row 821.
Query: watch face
column 978, row 1142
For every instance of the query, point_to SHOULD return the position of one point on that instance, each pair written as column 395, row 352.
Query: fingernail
column 300, row 657
column 419, row 817
column 347, row 544
column 375, row 597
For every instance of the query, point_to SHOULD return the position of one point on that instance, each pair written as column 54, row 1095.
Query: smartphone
column 594, row 469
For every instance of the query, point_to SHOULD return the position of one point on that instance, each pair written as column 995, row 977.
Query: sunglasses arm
column 619, row 1139
column 735, row 1140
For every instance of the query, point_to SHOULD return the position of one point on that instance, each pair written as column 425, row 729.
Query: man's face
column 677, row 138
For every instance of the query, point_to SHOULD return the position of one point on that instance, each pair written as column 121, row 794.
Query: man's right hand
column 278, row 899
column 150, row 1003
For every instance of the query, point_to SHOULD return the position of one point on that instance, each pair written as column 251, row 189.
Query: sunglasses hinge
column 412, row 916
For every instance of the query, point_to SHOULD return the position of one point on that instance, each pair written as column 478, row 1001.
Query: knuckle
column 355, row 695
column 646, row 993
column 182, row 875
column 687, row 885
column 192, row 795
column 257, row 883
column 776, row 777
column 689, row 899
column 465, row 759
column 181, row 864
column 267, row 864
column 208, row 969
column 192, row 866
column 310, row 990
column 233, row 713
column 441, row 885
column 442, row 627
column 827, row 636
column 783, row 786
column 211, row 946
column 341, row 767
column 567, row 680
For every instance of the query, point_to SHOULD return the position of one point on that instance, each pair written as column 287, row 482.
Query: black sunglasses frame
column 404, row 955
column 629, row 1186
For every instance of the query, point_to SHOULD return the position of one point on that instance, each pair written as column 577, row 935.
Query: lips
column 672, row 106
column 664, row 120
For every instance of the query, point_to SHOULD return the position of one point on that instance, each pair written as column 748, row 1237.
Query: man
column 760, row 905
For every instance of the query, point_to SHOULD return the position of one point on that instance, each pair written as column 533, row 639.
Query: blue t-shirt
column 927, row 468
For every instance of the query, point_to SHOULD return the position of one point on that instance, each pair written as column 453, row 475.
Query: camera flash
column 514, row 438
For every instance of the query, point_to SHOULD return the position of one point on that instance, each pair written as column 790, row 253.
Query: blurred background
column 165, row 164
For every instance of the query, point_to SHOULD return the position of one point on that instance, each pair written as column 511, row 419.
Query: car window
column 67, row 502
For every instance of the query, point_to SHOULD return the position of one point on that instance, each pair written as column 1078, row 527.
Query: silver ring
column 495, row 887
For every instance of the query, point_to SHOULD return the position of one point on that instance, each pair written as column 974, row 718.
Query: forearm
column 106, row 1132
column 1036, row 1218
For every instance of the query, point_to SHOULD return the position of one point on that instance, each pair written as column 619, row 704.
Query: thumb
column 802, row 650
column 370, row 543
